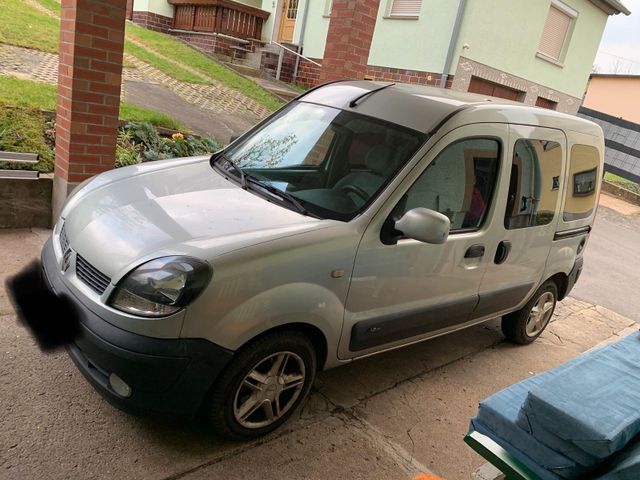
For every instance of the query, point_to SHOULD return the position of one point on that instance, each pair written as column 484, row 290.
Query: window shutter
column 555, row 33
column 405, row 8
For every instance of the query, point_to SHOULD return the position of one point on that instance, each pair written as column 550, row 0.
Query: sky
column 620, row 47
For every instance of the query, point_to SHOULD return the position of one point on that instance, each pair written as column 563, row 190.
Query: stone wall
column 214, row 42
column 406, row 76
column 468, row 68
column 25, row 203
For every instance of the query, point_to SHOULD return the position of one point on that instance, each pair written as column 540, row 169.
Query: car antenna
column 355, row 101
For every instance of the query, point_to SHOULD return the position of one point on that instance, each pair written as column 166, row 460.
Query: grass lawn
column 178, row 51
column 27, row 93
column 161, row 64
column 24, row 26
column 622, row 182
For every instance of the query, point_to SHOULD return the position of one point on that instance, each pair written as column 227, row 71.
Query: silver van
column 359, row 218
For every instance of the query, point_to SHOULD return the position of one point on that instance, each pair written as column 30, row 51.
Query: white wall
column 161, row 7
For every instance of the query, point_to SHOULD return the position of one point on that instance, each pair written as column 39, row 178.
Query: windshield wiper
column 240, row 173
column 250, row 180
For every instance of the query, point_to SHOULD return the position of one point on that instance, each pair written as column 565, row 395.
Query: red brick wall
column 89, row 80
column 349, row 39
column 406, row 76
column 152, row 21
column 308, row 73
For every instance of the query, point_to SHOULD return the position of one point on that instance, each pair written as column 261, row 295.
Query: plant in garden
column 24, row 130
column 141, row 142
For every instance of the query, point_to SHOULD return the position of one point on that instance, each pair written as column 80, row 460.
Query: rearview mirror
column 424, row 225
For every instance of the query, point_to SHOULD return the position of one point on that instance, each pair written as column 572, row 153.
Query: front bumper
column 166, row 377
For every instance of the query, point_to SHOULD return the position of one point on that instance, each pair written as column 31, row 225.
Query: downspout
column 452, row 43
column 303, row 27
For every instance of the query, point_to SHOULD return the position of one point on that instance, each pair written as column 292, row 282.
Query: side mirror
column 424, row 225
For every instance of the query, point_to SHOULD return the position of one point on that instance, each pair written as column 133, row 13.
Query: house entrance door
column 288, row 20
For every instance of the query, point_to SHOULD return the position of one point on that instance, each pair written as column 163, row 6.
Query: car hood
column 125, row 218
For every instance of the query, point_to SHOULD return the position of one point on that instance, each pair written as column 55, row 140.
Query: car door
column 407, row 290
column 529, row 203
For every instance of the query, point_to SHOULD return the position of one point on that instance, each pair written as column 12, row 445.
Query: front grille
column 91, row 276
column 64, row 241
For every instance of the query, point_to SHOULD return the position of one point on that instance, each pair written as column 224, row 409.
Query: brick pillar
column 346, row 53
column 89, row 81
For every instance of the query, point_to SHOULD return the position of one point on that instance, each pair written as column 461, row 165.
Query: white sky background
column 620, row 47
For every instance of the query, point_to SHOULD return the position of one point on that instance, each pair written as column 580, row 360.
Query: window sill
column 401, row 17
column 549, row 59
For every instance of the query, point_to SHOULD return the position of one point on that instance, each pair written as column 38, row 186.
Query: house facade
column 617, row 95
column 539, row 53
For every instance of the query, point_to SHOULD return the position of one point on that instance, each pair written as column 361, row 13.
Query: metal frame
column 512, row 468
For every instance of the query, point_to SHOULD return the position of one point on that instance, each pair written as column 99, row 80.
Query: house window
column 486, row 87
column 405, row 8
column 556, row 31
column 546, row 103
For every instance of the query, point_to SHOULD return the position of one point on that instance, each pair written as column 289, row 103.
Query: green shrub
column 141, row 142
column 26, row 130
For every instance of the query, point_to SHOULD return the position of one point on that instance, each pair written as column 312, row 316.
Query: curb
column 620, row 192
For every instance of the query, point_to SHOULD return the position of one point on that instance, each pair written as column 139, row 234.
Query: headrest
column 379, row 159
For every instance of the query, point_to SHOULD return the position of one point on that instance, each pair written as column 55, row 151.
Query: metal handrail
column 297, row 54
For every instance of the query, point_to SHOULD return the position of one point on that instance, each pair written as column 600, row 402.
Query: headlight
column 161, row 287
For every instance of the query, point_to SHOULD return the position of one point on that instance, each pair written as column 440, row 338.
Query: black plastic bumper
column 167, row 377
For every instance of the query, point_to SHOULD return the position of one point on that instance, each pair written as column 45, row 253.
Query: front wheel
column 526, row 324
column 263, row 386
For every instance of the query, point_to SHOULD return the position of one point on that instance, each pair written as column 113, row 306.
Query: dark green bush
column 26, row 130
column 141, row 142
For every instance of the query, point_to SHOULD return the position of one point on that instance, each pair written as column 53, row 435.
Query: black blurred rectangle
column 52, row 320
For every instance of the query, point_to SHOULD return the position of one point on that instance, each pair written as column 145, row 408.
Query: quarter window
column 556, row 30
column 583, row 175
column 534, row 184
column 405, row 8
column 459, row 183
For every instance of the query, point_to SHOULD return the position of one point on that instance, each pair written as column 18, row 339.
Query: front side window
column 458, row 183
column 332, row 161
column 534, row 185
column 583, row 177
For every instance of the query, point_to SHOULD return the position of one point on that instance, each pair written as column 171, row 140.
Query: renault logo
column 66, row 260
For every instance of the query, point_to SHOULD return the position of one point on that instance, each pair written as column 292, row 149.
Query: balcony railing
column 219, row 16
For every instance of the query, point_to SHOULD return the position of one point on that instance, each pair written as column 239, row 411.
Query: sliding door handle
column 502, row 252
column 474, row 251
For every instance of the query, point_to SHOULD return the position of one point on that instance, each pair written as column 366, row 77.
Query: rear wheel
column 526, row 324
column 263, row 386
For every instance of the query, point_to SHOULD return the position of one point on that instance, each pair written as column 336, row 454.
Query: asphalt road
column 611, row 275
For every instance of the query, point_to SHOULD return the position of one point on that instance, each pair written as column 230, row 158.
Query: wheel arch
column 562, row 283
column 313, row 333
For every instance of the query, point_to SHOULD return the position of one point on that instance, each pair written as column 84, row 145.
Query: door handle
column 502, row 252
column 474, row 251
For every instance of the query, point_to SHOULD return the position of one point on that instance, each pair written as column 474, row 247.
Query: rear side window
column 534, row 184
column 459, row 183
column 583, row 180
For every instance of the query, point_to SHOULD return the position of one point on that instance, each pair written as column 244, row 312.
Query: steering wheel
column 360, row 192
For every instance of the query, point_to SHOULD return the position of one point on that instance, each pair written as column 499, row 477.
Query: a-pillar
column 89, row 81
column 351, row 27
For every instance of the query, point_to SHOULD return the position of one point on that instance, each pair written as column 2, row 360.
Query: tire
column 273, row 374
column 525, row 325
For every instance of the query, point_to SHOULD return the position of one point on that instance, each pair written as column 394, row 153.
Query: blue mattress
column 625, row 465
column 498, row 414
column 591, row 403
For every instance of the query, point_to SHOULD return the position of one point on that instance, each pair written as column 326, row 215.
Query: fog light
column 119, row 386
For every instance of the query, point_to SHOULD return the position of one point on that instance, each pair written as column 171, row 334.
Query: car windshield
column 331, row 162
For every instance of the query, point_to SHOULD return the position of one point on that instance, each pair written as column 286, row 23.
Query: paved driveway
column 389, row 416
